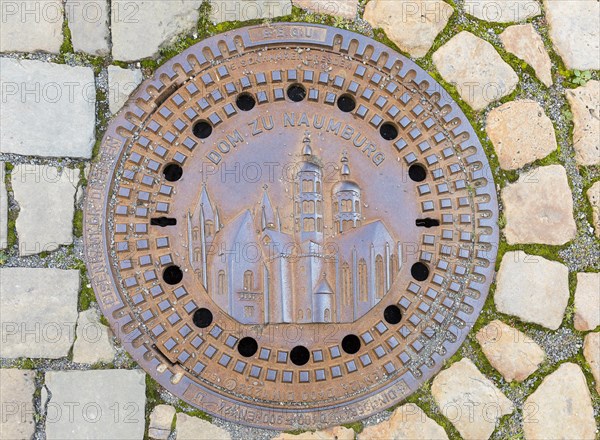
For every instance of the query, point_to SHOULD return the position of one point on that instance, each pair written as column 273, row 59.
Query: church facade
column 261, row 271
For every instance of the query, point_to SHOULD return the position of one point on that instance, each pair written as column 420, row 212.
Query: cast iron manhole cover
column 291, row 226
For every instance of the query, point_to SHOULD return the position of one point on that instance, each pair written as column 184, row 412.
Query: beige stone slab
column 339, row 8
column 523, row 41
column 594, row 197
column 193, row 428
column 503, row 11
column 591, row 352
column 587, row 301
column 585, row 105
column 407, row 422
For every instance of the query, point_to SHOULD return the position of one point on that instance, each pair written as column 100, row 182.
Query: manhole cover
column 291, row 226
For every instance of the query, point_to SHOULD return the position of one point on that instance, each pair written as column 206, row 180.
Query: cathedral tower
column 347, row 209
column 308, row 196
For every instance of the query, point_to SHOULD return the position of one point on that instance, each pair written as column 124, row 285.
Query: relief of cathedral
column 259, row 273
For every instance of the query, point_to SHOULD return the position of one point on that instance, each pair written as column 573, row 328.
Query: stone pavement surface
column 585, row 104
column 524, row 42
column 3, row 208
column 105, row 404
column 563, row 407
column 545, row 282
column 47, row 109
column 408, row 24
column 521, row 133
column 471, row 401
column 38, row 312
column 480, row 75
column 539, row 208
column 46, row 197
column 515, row 355
column 61, row 81
column 575, row 31
column 16, row 399
column 93, row 341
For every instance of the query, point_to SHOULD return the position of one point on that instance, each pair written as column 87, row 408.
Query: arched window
column 221, row 283
column 357, row 206
column 319, row 224
column 379, row 277
column 196, row 233
column 308, row 207
column 248, row 280
column 318, row 186
column 319, row 207
column 346, row 284
column 209, row 227
column 363, row 283
column 326, row 316
column 309, row 225
column 336, row 207
column 346, row 205
column 197, row 254
column 300, row 314
column 393, row 267
column 307, row 186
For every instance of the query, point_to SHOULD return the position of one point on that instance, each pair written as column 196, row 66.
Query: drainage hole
column 392, row 314
column 172, row 275
column 296, row 92
column 245, row 102
column 427, row 222
column 202, row 129
column 172, row 172
column 202, row 318
column 417, row 173
column 419, row 271
column 346, row 103
column 247, row 347
column 351, row 344
column 163, row 221
column 299, row 355
column 388, row 131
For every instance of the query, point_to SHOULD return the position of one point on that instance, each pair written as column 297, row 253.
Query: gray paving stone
column 121, row 83
column 475, row 68
column 338, row 8
column 563, row 407
column 16, row 402
column 96, row 404
column 31, row 26
column 504, row 11
column 88, row 22
column 532, row 288
column 46, row 197
column 38, row 311
column 413, row 26
column 575, row 31
column 47, row 109
column 236, row 10
column 161, row 420
column 539, row 208
column 3, row 208
column 93, row 341
column 141, row 27
column 193, row 428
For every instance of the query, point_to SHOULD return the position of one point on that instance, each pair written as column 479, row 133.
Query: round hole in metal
column 299, row 355
column 202, row 129
column 346, row 103
column 419, row 271
column 417, row 173
column 351, row 344
column 172, row 172
column 296, row 92
column 245, row 102
column 247, row 346
column 172, row 275
column 392, row 314
column 202, row 318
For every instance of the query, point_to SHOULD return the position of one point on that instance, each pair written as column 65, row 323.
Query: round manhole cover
column 291, row 226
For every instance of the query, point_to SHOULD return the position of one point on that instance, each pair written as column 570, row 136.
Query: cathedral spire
column 307, row 149
column 268, row 218
column 345, row 171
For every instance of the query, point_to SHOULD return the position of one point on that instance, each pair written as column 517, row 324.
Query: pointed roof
column 323, row 288
column 307, row 149
column 267, row 212
column 206, row 205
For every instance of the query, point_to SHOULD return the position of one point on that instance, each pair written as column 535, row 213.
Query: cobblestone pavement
column 525, row 72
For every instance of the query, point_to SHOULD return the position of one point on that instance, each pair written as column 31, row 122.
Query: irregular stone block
column 88, row 22
column 587, row 301
column 93, row 342
column 339, row 8
column 236, row 10
column 47, row 109
column 504, row 11
column 524, row 42
column 193, row 428
column 121, row 83
column 591, row 352
column 594, row 197
column 16, row 399
column 585, row 104
column 39, row 310
column 161, row 419
column 407, row 422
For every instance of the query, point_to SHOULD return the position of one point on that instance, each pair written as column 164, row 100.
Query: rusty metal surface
column 291, row 226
